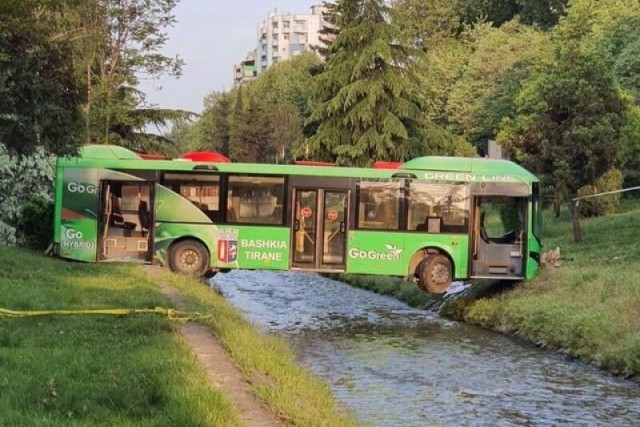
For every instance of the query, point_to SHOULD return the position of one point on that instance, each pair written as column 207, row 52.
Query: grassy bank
column 132, row 370
column 94, row 370
column 589, row 307
column 266, row 361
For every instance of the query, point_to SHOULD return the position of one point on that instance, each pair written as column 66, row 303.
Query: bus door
column 319, row 229
column 499, row 237
column 125, row 218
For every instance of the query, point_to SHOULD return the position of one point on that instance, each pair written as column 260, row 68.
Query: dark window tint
column 379, row 204
column 438, row 208
column 255, row 200
column 203, row 190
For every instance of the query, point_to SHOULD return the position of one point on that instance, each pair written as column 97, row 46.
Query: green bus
column 432, row 220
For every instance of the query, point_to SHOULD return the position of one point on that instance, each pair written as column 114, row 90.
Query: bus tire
column 189, row 257
column 435, row 274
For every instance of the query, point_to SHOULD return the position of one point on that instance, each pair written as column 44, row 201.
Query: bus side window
column 255, row 199
column 438, row 207
column 379, row 204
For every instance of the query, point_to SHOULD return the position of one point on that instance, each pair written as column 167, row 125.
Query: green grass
column 95, row 370
column 590, row 306
column 267, row 362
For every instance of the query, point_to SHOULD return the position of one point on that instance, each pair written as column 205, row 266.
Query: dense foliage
column 554, row 81
column 24, row 179
column 41, row 100
column 69, row 73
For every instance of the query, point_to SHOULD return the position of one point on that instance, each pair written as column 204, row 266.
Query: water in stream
column 393, row 365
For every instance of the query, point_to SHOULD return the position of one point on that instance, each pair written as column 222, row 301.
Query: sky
column 211, row 36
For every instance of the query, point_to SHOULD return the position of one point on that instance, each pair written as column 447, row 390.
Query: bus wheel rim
column 440, row 274
column 189, row 259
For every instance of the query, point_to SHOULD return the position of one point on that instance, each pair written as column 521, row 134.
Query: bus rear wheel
column 435, row 274
column 189, row 257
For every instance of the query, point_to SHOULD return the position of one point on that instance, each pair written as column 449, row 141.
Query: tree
column 247, row 139
column 542, row 13
column 285, row 132
column 569, row 124
column 329, row 30
column 220, row 112
column 40, row 98
column 501, row 61
column 367, row 106
column 116, row 44
column 427, row 23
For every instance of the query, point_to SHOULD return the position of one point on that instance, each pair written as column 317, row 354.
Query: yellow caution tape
column 181, row 316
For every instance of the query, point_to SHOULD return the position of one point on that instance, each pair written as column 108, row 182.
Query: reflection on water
column 393, row 365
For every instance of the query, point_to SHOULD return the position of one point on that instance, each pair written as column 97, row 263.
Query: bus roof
column 468, row 169
column 460, row 169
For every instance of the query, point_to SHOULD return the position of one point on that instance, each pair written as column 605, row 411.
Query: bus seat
column 143, row 216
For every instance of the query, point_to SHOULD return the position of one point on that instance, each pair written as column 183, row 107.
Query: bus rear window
column 255, row 200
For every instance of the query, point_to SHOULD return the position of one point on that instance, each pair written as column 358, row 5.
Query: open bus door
column 499, row 237
column 125, row 221
column 320, row 221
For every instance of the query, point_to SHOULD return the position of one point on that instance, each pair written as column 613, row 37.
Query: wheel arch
column 423, row 253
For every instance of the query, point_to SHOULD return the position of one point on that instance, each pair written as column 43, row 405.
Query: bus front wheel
column 435, row 273
column 189, row 257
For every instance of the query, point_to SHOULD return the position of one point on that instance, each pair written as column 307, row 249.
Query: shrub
column 36, row 223
column 601, row 205
column 22, row 178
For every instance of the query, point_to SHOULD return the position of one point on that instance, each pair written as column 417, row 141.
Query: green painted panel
column 78, row 239
column 166, row 233
column 374, row 252
column 251, row 247
column 78, row 228
column 247, row 247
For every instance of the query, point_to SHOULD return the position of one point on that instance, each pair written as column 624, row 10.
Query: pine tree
column 329, row 31
column 236, row 129
column 247, row 139
column 367, row 107
column 221, row 113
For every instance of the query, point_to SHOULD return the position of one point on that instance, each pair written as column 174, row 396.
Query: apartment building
column 281, row 37
column 245, row 71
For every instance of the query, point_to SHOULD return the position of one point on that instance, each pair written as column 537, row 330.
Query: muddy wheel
column 418, row 276
column 435, row 274
column 189, row 257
